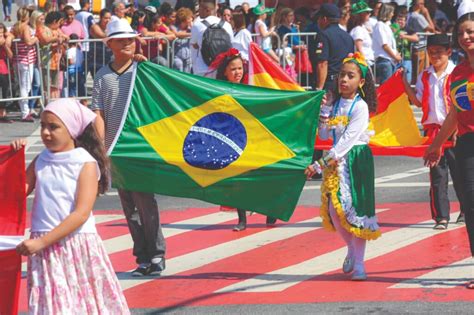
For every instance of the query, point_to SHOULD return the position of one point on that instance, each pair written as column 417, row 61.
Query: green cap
column 360, row 7
column 260, row 9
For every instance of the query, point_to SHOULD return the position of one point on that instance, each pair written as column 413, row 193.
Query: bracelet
column 323, row 162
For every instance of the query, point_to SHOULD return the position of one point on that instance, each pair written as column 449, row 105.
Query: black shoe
column 141, row 271
column 157, row 269
column 460, row 219
column 316, row 177
column 271, row 221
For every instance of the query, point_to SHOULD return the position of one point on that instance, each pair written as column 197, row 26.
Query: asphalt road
column 398, row 180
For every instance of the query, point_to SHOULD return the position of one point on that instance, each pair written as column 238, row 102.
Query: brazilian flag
column 229, row 144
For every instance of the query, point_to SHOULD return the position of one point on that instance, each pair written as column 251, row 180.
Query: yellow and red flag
column 12, row 225
column 396, row 130
column 264, row 72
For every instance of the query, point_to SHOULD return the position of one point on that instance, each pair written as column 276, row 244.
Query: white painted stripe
column 413, row 172
column 212, row 254
column 125, row 242
column 384, row 185
column 9, row 242
column 445, row 277
column 33, row 151
column 33, row 138
column 282, row 279
column 107, row 194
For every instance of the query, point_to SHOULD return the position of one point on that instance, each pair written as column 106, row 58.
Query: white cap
column 151, row 9
column 466, row 6
column 119, row 28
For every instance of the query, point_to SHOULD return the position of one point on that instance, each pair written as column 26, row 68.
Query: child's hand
column 17, row 144
column 139, row 58
column 30, row 247
column 309, row 171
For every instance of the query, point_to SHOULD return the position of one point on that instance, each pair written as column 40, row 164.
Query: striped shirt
column 24, row 53
column 110, row 95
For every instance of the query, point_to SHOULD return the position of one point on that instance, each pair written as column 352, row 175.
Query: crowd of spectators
column 66, row 45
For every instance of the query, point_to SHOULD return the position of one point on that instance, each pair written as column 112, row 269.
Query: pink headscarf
column 75, row 116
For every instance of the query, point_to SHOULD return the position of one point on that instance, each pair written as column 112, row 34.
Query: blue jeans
column 76, row 82
column 7, row 8
column 383, row 70
column 35, row 87
column 406, row 64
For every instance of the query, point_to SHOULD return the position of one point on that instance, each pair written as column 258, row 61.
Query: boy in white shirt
column 75, row 69
column 432, row 91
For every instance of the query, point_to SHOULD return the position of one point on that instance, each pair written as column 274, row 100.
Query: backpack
column 215, row 40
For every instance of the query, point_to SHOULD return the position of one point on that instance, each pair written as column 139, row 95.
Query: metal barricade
column 24, row 78
column 294, row 47
column 275, row 41
column 76, row 80
column 180, row 59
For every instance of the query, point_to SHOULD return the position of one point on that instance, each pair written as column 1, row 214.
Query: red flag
column 396, row 131
column 264, row 72
column 12, row 225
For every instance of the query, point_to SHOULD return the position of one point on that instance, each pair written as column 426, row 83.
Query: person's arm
column 449, row 127
column 100, row 124
column 27, row 38
column 194, row 36
column 263, row 33
column 431, row 26
column 358, row 124
column 411, row 93
column 98, row 108
column 87, row 187
column 413, row 38
column 46, row 38
column 8, row 46
column 322, row 57
column 397, row 57
column 96, row 31
column 321, row 74
column 358, row 45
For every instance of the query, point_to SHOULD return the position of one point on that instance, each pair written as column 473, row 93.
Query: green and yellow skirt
column 350, row 187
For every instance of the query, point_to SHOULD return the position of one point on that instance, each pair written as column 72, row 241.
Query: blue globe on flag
column 214, row 142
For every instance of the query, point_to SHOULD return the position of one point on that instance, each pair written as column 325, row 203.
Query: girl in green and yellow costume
column 347, row 193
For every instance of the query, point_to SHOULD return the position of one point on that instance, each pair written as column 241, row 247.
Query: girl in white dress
column 69, row 271
column 347, row 193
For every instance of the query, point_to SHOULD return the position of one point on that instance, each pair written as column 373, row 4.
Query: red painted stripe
column 115, row 228
column 181, row 289
column 210, row 236
column 404, row 264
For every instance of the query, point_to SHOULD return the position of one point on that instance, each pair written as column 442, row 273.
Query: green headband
column 359, row 60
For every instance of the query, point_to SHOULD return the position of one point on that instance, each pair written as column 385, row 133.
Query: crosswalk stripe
column 293, row 275
column 445, row 277
column 208, row 255
column 124, row 242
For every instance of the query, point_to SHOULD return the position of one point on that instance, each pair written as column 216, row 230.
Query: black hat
column 329, row 10
column 439, row 40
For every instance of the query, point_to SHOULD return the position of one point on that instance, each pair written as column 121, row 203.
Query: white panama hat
column 119, row 28
column 466, row 6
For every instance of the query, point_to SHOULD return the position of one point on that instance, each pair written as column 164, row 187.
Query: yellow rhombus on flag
column 167, row 137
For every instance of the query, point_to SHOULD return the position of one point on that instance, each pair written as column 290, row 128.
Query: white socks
column 355, row 245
